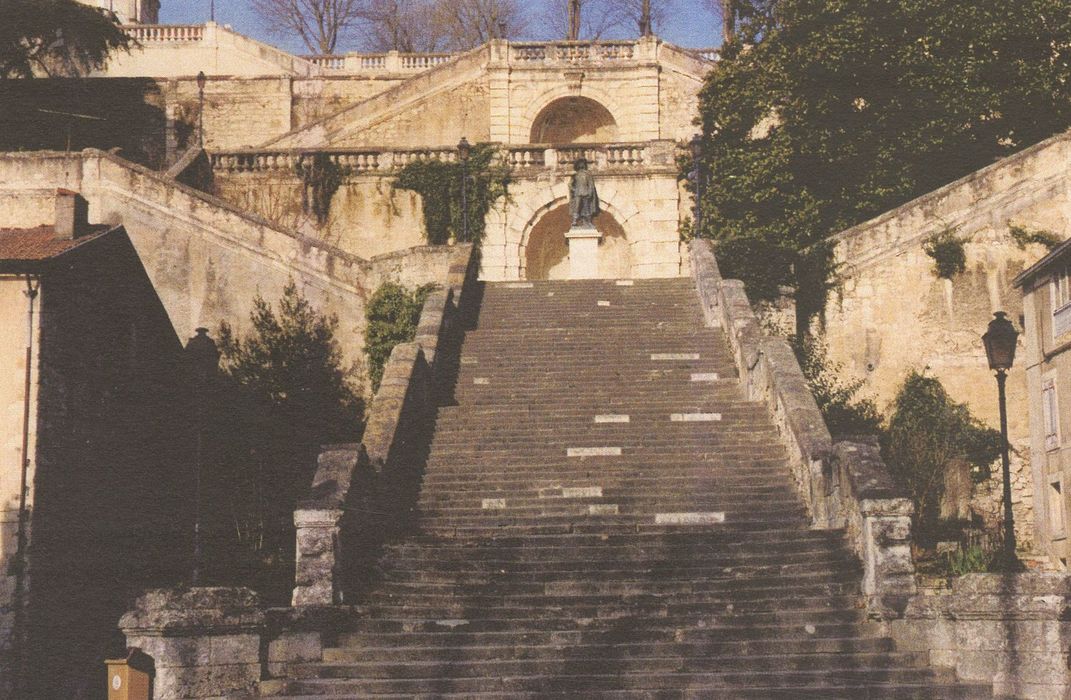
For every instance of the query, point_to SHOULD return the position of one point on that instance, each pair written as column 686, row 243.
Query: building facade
column 1046, row 288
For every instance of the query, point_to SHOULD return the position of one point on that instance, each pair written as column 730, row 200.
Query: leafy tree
column 286, row 393
column 55, row 37
column 393, row 314
column 824, row 113
column 927, row 432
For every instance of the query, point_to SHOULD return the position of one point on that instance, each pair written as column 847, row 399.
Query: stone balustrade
column 152, row 33
column 363, row 493
column 572, row 52
column 844, row 485
column 706, row 54
column 391, row 62
column 522, row 158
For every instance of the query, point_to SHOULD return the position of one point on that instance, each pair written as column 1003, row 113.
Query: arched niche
column 546, row 253
column 574, row 120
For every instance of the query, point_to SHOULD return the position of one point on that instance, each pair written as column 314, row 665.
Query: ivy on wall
column 321, row 178
column 439, row 185
column 948, row 254
column 1024, row 236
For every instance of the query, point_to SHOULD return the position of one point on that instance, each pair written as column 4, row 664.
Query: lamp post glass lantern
column 1000, row 340
column 464, row 150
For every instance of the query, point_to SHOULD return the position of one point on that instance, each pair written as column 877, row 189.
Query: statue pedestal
column 583, row 252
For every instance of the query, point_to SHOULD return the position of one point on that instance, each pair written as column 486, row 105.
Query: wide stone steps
column 580, row 683
column 603, row 515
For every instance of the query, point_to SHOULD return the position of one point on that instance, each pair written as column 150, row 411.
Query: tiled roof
column 39, row 244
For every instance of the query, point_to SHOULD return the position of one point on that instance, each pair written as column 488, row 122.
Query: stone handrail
column 359, row 161
column 152, row 33
column 390, row 62
column 572, row 51
column 365, row 491
column 846, row 485
column 706, row 54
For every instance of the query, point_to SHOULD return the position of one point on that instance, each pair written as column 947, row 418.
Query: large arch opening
column 574, row 120
column 546, row 254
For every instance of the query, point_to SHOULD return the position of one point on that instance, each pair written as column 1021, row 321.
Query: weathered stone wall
column 1011, row 631
column 208, row 260
column 14, row 308
column 637, row 184
column 499, row 91
column 891, row 314
column 183, row 50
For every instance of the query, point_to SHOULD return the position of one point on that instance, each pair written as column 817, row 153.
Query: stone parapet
column 204, row 642
column 846, row 485
column 1011, row 630
column 363, row 493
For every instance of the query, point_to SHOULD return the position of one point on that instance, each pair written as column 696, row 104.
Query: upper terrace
column 219, row 49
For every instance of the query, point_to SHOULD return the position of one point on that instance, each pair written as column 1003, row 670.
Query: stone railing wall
column 360, row 492
column 573, row 51
column 392, row 62
column 152, row 33
column 521, row 158
column 845, row 485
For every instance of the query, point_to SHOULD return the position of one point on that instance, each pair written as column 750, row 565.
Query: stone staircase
column 604, row 516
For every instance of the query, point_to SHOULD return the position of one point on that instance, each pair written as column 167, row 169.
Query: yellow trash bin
column 130, row 678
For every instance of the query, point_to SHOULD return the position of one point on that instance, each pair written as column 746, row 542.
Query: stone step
column 723, row 682
column 865, row 645
column 566, row 663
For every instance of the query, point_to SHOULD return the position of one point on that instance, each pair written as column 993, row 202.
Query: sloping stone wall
column 891, row 314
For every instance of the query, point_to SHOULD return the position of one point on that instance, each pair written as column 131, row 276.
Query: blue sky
column 691, row 24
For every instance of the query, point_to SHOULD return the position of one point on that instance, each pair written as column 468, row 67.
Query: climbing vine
column 946, row 250
column 1024, row 236
column 439, row 185
column 321, row 178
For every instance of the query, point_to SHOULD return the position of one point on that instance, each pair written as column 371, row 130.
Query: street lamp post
column 696, row 147
column 1000, row 341
column 464, row 150
column 201, row 80
column 202, row 357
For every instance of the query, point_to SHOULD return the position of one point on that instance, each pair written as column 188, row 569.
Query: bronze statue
column 583, row 198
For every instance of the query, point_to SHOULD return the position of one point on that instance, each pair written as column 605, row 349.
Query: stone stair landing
column 604, row 516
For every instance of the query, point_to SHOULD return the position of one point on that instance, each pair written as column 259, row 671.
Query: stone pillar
column 204, row 642
column 315, row 579
column 583, row 253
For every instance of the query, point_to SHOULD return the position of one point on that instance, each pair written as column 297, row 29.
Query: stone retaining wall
column 1010, row 630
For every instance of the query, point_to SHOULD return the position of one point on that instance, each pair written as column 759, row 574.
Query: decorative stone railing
column 363, row 494
column 846, row 485
column 390, row 62
column 572, row 52
column 151, row 33
column 623, row 156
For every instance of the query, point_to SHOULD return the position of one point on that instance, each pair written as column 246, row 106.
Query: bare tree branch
column 321, row 24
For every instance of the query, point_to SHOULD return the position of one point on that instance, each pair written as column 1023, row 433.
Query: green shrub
column 393, row 314
column 926, row 433
column 845, row 412
column 285, row 393
column 949, row 256
column 972, row 560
